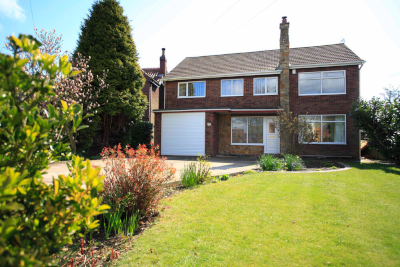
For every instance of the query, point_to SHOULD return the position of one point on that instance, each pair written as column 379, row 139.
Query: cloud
column 11, row 9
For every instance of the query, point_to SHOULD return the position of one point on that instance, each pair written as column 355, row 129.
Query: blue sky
column 207, row 27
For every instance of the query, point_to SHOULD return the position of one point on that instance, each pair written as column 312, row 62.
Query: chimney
column 284, row 64
column 163, row 63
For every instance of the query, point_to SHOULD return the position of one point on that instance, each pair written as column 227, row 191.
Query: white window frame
column 328, row 143
column 186, row 96
column 232, row 87
column 265, row 78
column 322, row 78
column 247, row 133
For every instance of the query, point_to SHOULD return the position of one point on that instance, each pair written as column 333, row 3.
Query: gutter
column 271, row 72
column 337, row 64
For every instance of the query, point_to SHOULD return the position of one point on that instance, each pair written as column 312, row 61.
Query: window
column 232, row 87
column 247, row 130
column 322, row 83
column 192, row 89
column 329, row 129
column 265, row 86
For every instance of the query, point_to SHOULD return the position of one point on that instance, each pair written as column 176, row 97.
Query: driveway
column 219, row 165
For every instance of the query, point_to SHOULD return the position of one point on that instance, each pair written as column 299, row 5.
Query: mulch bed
column 322, row 164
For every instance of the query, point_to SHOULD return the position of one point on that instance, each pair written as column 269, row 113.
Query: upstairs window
column 322, row 83
column 232, row 87
column 265, row 86
column 191, row 89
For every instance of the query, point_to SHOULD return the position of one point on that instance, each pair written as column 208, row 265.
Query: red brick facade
column 218, row 126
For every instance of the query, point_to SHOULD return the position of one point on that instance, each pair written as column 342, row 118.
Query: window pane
column 182, row 89
column 255, row 130
column 271, row 128
column 259, row 86
column 333, row 74
column 271, row 86
column 333, row 132
column 237, row 87
column 316, row 128
column 197, row 89
column 333, row 118
column 226, row 87
column 309, row 75
column 310, row 86
column 333, row 86
column 311, row 118
column 239, row 130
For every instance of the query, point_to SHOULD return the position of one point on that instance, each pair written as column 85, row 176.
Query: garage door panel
column 183, row 134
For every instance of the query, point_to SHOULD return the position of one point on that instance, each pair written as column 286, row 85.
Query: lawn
column 344, row 218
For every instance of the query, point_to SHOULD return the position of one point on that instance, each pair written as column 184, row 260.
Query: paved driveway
column 219, row 165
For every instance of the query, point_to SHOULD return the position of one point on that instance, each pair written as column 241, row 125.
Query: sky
column 187, row 28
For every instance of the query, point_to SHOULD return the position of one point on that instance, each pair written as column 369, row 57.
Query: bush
column 270, row 163
column 203, row 169
column 139, row 133
column 293, row 163
column 36, row 219
column 189, row 176
column 140, row 173
column 224, row 177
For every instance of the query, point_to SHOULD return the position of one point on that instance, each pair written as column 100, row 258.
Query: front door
column 271, row 136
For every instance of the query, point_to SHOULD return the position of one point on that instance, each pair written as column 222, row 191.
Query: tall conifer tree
column 106, row 37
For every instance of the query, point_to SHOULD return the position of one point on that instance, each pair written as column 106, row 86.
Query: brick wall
column 213, row 97
column 329, row 104
column 146, row 90
column 157, row 129
column 212, row 139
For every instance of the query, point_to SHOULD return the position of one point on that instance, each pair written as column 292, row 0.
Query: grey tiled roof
column 152, row 74
column 260, row 61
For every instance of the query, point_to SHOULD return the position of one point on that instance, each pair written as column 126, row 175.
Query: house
column 227, row 104
column 153, row 89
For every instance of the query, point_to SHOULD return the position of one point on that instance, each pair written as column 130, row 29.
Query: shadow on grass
column 386, row 167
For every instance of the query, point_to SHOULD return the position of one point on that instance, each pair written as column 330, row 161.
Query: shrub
column 189, row 175
column 328, row 164
column 224, row 177
column 270, row 163
column 36, row 219
column 203, row 169
column 139, row 133
column 293, row 163
column 140, row 173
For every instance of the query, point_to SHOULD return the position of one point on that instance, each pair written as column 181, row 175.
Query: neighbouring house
column 227, row 104
column 153, row 89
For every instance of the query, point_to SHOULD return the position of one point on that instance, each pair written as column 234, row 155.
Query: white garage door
column 183, row 134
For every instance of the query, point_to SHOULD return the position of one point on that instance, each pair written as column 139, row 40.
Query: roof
column 153, row 75
column 260, row 61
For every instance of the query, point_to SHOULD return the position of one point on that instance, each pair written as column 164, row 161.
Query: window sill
column 321, row 94
column 264, row 94
column 246, row 144
column 230, row 95
column 322, row 143
column 179, row 97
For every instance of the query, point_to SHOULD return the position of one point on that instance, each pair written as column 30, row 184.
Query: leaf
column 64, row 105
column 56, row 184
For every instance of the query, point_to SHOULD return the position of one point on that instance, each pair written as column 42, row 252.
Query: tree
column 37, row 219
column 106, row 37
column 379, row 118
column 77, row 89
column 294, row 132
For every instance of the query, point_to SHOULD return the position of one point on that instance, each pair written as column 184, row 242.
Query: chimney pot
column 284, row 19
column 163, row 51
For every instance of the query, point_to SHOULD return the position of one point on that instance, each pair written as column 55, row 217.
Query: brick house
column 153, row 89
column 227, row 104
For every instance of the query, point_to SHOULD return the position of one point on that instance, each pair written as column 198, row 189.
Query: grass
column 345, row 218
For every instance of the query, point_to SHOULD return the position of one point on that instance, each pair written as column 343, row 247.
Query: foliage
column 203, row 168
column 249, row 172
column 189, row 177
column 140, row 174
column 139, row 133
column 295, row 133
column 106, row 37
column 37, row 219
column 270, row 163
column 224, row 177
column 293, row 163
column 379, row 118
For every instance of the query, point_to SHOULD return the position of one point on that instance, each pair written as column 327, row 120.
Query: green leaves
column 37, row 219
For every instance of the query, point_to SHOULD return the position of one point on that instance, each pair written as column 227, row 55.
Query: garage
column 183, row 134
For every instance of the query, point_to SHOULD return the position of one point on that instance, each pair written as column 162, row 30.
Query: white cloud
column 11, row 9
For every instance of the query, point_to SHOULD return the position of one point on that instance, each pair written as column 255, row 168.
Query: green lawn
column 346, row 218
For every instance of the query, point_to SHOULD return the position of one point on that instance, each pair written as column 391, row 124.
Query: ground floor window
column 327, row 128
column 247, row 130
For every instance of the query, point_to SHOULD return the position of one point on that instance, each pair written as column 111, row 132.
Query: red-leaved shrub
column 135, row 178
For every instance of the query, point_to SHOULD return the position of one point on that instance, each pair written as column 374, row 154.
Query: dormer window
column 322, row 83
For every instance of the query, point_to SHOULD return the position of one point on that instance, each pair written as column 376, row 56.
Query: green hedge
column 139, row 133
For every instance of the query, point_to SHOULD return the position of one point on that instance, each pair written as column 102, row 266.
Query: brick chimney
column 163, row 63
column 284, row 64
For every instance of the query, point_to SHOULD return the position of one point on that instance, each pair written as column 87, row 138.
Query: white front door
column 271, row 136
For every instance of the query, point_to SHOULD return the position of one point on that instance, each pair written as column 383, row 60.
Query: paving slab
column 219, row 165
